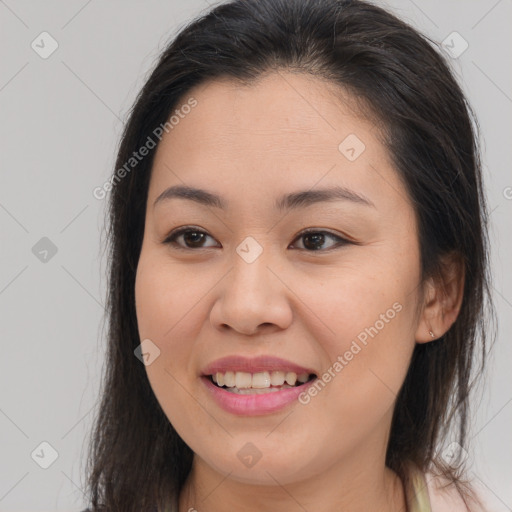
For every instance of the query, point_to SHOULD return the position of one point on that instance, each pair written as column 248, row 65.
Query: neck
column 344, row 487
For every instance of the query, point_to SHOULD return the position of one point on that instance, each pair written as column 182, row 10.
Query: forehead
column 284, row 131
column 299, row 107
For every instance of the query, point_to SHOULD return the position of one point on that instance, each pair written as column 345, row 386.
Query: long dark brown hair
column 136, row 460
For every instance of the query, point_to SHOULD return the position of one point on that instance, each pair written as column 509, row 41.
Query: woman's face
column 245, row 283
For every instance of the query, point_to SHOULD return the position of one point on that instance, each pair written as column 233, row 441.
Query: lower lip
column 254, row 405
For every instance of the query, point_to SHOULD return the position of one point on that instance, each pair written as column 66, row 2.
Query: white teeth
column 261, row 380
column 243, row 380
column 277, row 378
column 291, row 378
column 258, row 380
column 229, row 379
column 252, row 391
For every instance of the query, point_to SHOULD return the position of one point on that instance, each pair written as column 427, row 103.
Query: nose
column 253, row 298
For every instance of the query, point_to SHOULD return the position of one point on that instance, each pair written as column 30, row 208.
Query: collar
column 416, row 490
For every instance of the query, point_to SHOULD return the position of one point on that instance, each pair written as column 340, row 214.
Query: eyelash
column 171, row 239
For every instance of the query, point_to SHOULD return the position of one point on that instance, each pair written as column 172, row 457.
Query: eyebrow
column 294, row 200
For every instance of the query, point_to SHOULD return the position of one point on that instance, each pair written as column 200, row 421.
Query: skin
column 250, row 144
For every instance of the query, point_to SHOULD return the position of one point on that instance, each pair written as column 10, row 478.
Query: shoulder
column 443, row 495
column 154, row 509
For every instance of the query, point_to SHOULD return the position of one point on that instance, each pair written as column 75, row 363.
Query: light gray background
column 60, row 121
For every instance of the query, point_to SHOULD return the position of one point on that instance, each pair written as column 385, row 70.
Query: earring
column 432, row 335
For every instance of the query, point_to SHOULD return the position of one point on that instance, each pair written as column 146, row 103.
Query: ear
column 442, row 299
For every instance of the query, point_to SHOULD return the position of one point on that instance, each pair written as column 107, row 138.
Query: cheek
column 168, row 300
column 368, row 342
column 357, row 304
column 169, row 307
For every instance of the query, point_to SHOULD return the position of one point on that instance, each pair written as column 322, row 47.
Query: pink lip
column 254, row 405
column 253, row 365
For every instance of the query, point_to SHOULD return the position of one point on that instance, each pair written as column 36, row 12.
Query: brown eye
column 193, row 238
column 314, row 240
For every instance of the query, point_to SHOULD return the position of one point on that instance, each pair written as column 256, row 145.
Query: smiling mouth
column 244, row 383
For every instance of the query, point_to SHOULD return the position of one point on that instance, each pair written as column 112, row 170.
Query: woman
column 298, row 271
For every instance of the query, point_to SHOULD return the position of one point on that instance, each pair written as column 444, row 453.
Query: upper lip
column 263, row 363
